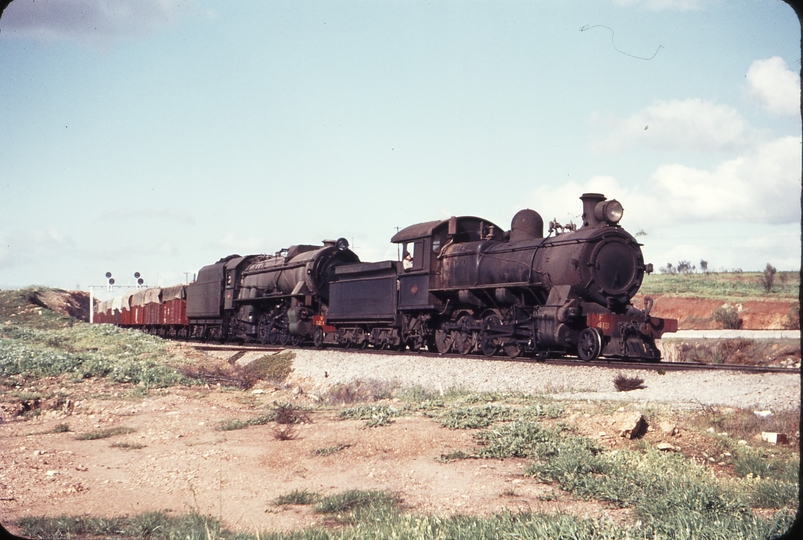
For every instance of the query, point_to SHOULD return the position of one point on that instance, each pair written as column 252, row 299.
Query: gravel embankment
column 317, row 371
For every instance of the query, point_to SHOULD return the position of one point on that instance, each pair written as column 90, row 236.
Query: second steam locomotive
column 464, row 285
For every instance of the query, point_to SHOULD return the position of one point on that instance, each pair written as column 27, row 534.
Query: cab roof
column 423, row 230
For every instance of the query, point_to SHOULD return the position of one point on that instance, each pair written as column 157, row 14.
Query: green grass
column 272, row 367
column 724, row 286
column 36, row 342
column 473, row 417
column 84, row 351
column 232, row 425
column 384, row 520
column 23, row 307
column 297, row 496
column 357, row 505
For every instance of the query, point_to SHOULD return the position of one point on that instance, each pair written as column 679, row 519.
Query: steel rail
column 600, row 363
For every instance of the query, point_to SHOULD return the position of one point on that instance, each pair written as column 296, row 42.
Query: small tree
column 668, row 269
column 685, row 267
column 768, row 279
column 703, row 266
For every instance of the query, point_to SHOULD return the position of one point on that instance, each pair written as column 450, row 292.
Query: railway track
column 610, row 364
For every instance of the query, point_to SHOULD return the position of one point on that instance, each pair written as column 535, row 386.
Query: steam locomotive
column 464, row 285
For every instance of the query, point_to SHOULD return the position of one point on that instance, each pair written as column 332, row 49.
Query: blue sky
column 158, row 136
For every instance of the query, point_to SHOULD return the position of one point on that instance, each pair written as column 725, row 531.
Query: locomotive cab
column 427, row 243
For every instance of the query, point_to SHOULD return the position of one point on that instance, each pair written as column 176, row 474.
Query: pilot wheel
column 589, row 345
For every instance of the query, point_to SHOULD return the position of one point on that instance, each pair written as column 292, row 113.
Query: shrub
column 623, row 383
column 285, row 432
column 728, row 317
column 61, row 428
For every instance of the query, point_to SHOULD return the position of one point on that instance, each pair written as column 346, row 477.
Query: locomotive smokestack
column 590, row 201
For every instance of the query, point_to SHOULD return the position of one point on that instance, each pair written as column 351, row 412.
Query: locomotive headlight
column 610, row 211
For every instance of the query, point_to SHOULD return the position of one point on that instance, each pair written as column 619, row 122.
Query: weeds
column 348, row 501
column 770, row 493
column 744, row 424
column 454, row 456
column 156, row 525
column 359, row 391
column 473, row 417
column 738, row 351
column 104, row 433
column 128, row 446
column 271, row 367
column 374, row 415
column 383, row 519
column 85, row 351
column 517, row 439
column 288, row 414
column 297, row 496
column 235, row 424
column 285, row 432
column 329, row 450
column 752, row 462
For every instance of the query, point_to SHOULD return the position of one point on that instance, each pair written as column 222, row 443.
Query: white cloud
column 89, row 20
column 662, row 5
column 774, row 86
column 690, row 124
column 762, row 185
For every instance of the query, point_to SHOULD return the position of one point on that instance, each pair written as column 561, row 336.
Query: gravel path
column 316, row 371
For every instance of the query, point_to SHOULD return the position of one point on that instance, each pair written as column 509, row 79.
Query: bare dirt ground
column 175, row 459
column 173, row 456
